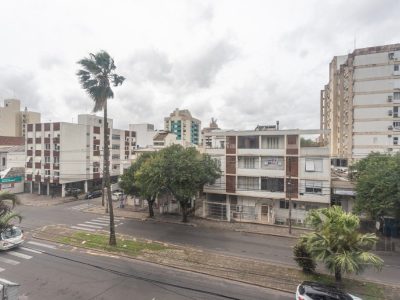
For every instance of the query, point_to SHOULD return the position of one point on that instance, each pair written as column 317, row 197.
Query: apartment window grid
column 396, row 125
column 395, row 140
column 313, row 187
column 248, row 183
column 314, row 165
column 272, row 163
column 271, row 142
column 396, row 96
column 248, row 162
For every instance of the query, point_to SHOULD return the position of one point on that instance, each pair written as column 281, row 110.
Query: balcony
column 56, row 166
column 96, row 153
column 38, row 140
column 56, row 179
column 96, row 175
column 56, row 140
column 96, row 142
column 56, row 126
column 46, row 179
column 38, row 127
column 47, row 165
column 29, row 177
column 29, row 140
column 29, row 164
column 38, row 165
column 37, row 178
column 47, row 152
column 47, row 140
column 29, row 152
column 38, row 152
column 56, row 153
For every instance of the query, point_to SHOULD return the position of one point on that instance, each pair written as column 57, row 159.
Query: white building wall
column 370, row 59
column 371, row 99
column 373, row 86
column 375, row 112
column 144, row 134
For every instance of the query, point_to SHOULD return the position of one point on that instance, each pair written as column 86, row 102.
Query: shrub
column 303, row 257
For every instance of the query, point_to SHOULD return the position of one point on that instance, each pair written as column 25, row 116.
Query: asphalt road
column 268, row 248
column 49, row 271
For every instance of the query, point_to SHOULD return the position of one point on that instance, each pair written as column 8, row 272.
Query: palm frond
column 7, row 218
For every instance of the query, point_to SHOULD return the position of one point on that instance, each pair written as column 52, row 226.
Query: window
column 115, row 156
column 47, row 159
column 395, row 140
column 115, row 147
column 217, row 161
column 396, row 67
column 116, row 137
column 248, row 162
column 272, row 142
column 284, row 204
column 396, row 124
column 248, row 183
column 47, row 146
column 47, row 172
column 56, row 147
column 272, row 163
column 3, row 161
column 56, row 159
column 56, row 174
column 314, row 165
column 248, row 142
column 313, row 187
column 95, row 170
column 272, row 184
column 396, row 96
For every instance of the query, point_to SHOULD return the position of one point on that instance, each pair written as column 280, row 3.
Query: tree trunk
column 338, row 274
column 151, row 211
column 112, row 241
column 184, row 211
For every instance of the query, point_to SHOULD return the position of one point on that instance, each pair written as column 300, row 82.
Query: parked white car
column 11, row 237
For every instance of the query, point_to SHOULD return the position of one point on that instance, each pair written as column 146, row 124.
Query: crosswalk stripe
column 21, row 255
column 108, row 219
column 101, row 221
column 91, row 226
column 95, row 223
column 82, row 228
column 31, row 250
column 42, row 245
column 9, row 261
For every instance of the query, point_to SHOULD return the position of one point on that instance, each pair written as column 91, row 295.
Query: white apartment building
column 12, row 157
column 186, row 128
column 261, row 171
column 360, row 104
column 144, row 134
column 61, row 155
column 13, row 120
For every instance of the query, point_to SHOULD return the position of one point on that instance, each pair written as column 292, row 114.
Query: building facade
column 13, row 121
column 360, row 104
column 144, row 134
column 61, row 155
column 262, row 170
column 184, row 126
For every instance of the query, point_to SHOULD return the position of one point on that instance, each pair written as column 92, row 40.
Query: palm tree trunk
column 112, row 241
column 184, row 211
column 338, row 274
column 150, row 202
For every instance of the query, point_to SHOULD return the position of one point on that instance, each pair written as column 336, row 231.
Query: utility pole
column 289, row 186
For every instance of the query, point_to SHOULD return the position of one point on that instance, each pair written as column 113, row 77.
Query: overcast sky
column 241, row 62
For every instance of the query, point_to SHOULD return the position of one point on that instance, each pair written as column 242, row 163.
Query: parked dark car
column 316, row 291
column 72, row 192
column 94, row 194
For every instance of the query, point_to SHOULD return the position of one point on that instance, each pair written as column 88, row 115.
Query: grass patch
column 100, row 242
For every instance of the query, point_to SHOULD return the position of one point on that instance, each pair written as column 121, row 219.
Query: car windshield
column 10, row 233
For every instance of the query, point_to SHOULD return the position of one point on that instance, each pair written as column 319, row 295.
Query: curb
column 169, row 266
column 264, row 233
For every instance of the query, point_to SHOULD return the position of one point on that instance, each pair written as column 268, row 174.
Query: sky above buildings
column 242, row 62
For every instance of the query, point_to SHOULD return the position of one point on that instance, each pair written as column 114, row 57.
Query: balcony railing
column 29, row 152
column 38, row 165
column 29, row 164
column 56, row 166
column 38, row 152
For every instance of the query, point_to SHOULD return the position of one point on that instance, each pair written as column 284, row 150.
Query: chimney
column 277, row 125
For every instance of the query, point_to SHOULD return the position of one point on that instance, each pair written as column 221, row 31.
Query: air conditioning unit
column 390, row 127
column 390, row 112
column 389, row 98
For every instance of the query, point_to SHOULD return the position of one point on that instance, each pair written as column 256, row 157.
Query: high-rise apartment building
column 360, row 104
column 186, row 128
column 13, row 121
column 61, row 155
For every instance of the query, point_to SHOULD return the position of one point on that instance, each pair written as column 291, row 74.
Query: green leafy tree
column 96, row 77
column 142, row 186
column 183, row 172
column 7, row 204
column 377, row 179
column 338, row 243
column 303, row 257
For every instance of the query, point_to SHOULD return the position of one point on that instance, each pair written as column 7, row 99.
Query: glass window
column 11, row 233
column 272, row 163
column 248, row 142
column 248, row 162
column 314, row 165
column 248, row 183
column 272, row 184
column 313, row 187
column 284, row 204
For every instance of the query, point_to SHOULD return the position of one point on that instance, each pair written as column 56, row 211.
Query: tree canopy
column 377, row 179
column 338, row 243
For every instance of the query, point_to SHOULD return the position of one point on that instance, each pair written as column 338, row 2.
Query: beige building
column 261, row 170
column 184, row 126
column 13, row 121
column 360, row 104
column 62, row 155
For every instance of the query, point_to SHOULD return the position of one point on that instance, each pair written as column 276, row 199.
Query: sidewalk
column 264, row 229
column 42, row 200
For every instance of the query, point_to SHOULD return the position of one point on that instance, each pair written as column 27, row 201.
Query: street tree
column 7, row 204
column 337, row 242
column 183, row 172
column 143, row 186
column 377, row 179
column 96, row 77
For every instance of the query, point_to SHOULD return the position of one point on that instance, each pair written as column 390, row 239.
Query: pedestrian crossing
column 99, row 223
column 18, row 255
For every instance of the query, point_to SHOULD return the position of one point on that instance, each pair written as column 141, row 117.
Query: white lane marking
column 42, row 245
column 95, row 223
column 82, row 228
column 9, row 261
column 21, row 255
column 108, row 218
column 101, row 221
column 31, row 250
column 91, row 226
column 1, row 269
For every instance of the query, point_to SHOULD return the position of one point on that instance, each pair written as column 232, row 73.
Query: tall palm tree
column 6, row 213
column 96, row 76
column 338, row 243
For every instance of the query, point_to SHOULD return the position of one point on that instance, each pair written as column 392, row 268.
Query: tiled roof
column 12, row 141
